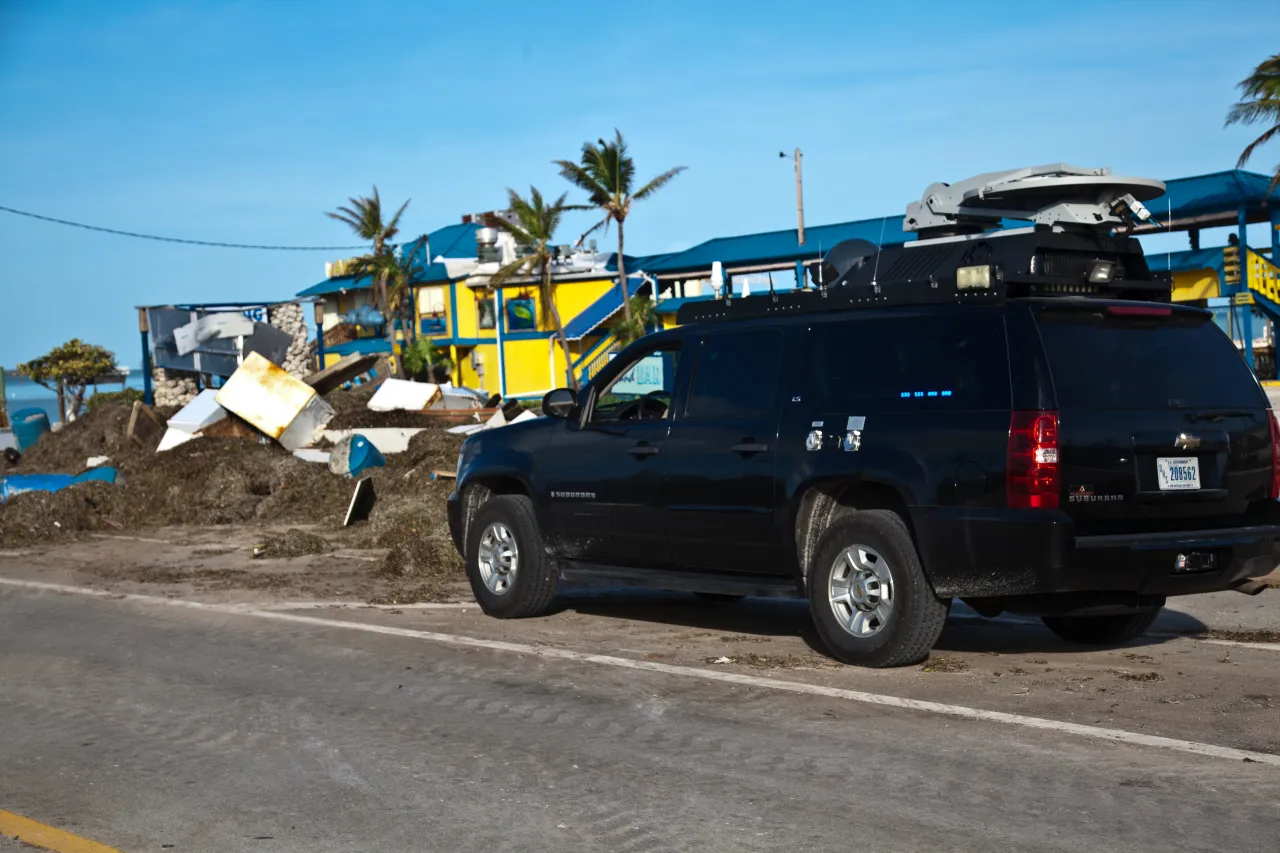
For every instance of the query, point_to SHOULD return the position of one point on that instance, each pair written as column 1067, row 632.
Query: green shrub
column 127, row 396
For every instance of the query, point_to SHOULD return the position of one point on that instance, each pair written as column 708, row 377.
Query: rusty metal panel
column 264, row 395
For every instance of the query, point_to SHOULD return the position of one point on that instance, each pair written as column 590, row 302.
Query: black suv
column 990, row 423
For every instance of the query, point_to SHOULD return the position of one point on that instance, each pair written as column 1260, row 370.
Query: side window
column 736, row 375
column 642, row 391
column 912, row 363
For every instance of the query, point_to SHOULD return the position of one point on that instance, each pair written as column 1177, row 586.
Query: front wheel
column 511, row 574
column 871, row 602
column 1102, row 630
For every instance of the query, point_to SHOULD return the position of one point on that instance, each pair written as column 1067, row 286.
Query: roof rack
column 1077, row 246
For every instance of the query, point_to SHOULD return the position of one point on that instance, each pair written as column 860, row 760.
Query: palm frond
column 603, row 223
column 1261, row 140
column 1251, row 112
column 518, row 267
column 393, row 227
column 1264, row 82
column 657, row 183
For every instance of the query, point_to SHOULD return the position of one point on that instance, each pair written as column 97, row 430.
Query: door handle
column 748, row 447
column 642, row 450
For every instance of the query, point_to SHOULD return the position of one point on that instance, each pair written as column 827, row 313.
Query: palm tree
column 364, row 216
column 644, row 314
column 1261, row 104
column 606, row 172
column 536, row 228
column 395, row 275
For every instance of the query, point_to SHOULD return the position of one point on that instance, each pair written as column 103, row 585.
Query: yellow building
column 503, row 340
column 499, row 339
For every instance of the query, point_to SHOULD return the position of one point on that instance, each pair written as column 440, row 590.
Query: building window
column 486, row 313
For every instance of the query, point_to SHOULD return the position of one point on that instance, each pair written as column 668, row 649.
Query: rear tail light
column 1275, row 454
column 1139, row 311
column 1032, row 469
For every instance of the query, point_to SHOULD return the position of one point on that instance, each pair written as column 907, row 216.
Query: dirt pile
column 353, row 412
column 38, row 517
column 97, row 433
column 295, row 543
column 232, row 481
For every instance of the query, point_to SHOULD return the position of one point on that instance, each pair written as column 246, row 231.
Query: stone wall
column 288, row 317
column 173, row 388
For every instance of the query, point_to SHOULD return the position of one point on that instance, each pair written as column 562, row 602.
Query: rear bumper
column 1000, row 553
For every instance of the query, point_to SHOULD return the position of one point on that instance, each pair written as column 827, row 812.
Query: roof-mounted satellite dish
column 839, row 259
column 1054, row 195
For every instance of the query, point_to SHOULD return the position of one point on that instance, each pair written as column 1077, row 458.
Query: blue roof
column 780, row 246
column 1217, row 196
column 1193, row 259
column 451, row 241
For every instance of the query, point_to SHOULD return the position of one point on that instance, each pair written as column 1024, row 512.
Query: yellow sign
column 1242, row 299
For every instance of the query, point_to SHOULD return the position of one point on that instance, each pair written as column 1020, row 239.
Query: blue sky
column 244, row 121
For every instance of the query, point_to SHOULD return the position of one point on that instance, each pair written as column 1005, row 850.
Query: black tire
column 717, row 597
column 911, row 626
column 531, row 587
column 1102, row 630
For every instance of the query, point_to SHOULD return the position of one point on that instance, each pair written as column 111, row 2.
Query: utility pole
column 799, row 197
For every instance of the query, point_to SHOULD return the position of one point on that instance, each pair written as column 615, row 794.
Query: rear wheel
column 1102, row 630
column 510, row 572
column 871, row 602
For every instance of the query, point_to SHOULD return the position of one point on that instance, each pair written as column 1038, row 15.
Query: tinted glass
column 875, row 362
column 653, row 376
column 1104, row 362
column 736, row 375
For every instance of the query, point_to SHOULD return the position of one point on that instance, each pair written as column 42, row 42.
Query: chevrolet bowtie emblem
column 1186, row 442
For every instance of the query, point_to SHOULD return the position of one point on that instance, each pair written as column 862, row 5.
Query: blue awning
column 360, row 346
column 598, row 313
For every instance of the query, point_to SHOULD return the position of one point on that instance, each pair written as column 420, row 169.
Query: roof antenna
column 771, row 291
column 875, row 286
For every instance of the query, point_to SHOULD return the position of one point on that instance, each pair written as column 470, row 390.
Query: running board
column 723, row 584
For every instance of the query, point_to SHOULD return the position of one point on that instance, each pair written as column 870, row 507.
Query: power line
column 178, row 239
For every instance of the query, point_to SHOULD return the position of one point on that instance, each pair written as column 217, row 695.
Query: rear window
column 922, row 362
column 1104, row 362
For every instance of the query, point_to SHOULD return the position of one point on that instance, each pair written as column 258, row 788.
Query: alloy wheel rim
column 860, row 591
column 498, row 558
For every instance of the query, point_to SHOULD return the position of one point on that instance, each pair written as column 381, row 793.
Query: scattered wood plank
column 145, row 427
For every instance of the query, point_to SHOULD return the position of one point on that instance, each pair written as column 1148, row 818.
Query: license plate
column 1178, row 474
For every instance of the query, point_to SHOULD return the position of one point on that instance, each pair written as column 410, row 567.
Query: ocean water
column 22, row 393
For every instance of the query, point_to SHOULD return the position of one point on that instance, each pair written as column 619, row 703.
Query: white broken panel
column 201, row 412
column 172, row 438
column 403, row 395
column 305, row 429
column 388, row 440
column 209, row 327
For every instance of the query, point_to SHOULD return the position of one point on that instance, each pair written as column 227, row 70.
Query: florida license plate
column 1178, row 474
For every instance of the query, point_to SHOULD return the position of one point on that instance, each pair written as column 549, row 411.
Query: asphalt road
column 147, row 727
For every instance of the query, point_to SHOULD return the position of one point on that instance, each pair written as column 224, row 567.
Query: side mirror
column 560, row 403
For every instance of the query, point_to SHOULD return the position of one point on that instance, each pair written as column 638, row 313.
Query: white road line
column 352, row 605
column 1095, row 732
